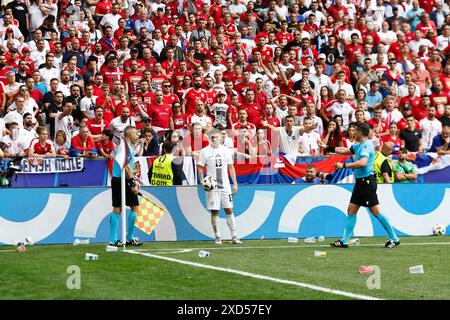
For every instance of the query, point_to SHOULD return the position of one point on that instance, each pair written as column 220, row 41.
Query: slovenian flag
column 123, row 154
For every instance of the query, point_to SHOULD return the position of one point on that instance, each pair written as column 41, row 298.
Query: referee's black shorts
column 365, row 192
column 131, row 199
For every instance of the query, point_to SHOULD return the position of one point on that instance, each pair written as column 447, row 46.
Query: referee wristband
column 330, row 149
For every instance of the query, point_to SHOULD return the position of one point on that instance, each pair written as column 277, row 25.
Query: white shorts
column 219, row 199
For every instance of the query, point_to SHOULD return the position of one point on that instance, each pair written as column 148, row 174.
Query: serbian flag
column 148, row 215
column 123, row 154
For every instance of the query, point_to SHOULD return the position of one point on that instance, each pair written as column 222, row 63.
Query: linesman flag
column 123, row 154
column 148, row 215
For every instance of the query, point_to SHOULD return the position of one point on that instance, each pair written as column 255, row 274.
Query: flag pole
column 124, row 209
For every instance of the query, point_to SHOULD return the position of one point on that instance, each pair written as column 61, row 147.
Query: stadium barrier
column 61, row 215
column 262, row 170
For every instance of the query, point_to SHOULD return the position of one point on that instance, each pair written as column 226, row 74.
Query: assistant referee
column 365, row 190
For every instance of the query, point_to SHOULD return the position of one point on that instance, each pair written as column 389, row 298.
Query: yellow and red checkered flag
column 148, row 215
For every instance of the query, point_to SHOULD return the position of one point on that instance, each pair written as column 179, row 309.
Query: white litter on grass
column 258, row 276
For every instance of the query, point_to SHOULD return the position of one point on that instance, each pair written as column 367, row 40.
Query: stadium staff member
column 165, row 170
column 365, row 191
column 383, row 165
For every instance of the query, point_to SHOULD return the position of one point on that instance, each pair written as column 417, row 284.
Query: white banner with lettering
column 51, row 165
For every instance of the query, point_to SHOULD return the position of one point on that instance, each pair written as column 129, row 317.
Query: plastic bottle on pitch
column 292, row 240
column 310, row 240
column 204, row 254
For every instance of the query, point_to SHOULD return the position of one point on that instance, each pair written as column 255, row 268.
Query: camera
column 324, row 176
column 9, row 170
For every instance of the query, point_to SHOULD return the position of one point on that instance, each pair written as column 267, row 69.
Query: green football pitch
column 256, row 270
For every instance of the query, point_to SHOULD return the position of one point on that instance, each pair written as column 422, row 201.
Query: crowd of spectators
column 276, row 76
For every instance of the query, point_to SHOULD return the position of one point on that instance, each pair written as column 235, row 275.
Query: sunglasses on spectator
column 167, row 86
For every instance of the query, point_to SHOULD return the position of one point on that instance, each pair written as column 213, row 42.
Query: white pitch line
column 258, row 276
column 178, row 250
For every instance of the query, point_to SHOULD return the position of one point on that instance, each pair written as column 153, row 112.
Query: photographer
column 313, row 177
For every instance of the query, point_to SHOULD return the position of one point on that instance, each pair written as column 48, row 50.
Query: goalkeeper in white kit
column 218, row 161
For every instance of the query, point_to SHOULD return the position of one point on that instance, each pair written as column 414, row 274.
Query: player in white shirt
column 218, row 161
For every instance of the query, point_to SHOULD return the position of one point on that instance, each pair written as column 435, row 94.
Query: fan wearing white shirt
column 342, row 85
column 308, row 142
column 431, row 127
column 87, row 103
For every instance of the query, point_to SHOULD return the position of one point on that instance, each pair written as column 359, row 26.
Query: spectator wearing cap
column 11, row 88
column 219, row 110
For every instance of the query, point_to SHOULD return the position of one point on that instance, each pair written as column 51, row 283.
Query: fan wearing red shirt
column 145, row 95
column 216, row 10
column 268, row 119
column 178, row 75
column 179, row 119
column 337, row 11
column 211, row 93
column 158, row 77
column 137, row 111
column 245, row 84
column 112, row 71
column 102, row 8
column 284, row 36
column 380, row 126
column 350, row 49
column 242, row 121
column 97, row 124
column 132, row 79
column 439, row 98
column 41, row 146
column 105, row 146
column 107, row 103
column 170, row 64
column 402, row 124
column 266, row 51
column 195, row 141
column 414, row 102
column 191, row 96
column 306, row 51
column 160, row 19
column 254, row 110
column 168, row 97
column 161, row 114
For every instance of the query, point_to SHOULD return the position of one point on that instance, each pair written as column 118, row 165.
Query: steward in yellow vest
column 164, row 172
column 383, row 165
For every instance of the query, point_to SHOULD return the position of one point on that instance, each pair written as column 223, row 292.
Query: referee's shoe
column 339, row 244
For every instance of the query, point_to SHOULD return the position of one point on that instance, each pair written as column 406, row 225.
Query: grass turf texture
column 40, row 271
